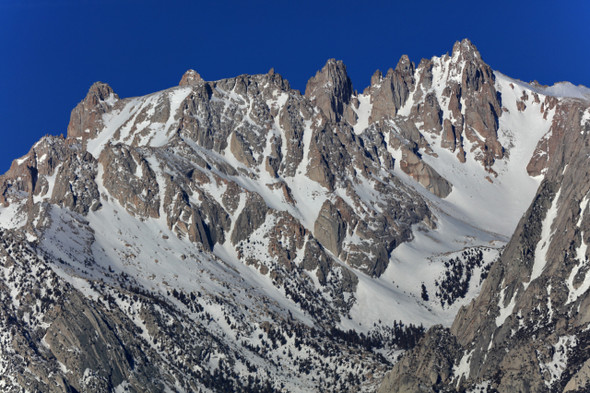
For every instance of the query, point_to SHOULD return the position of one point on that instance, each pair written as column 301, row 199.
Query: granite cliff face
column 236, row 235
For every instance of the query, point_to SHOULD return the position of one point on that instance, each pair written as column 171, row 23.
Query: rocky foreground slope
column 237, row 235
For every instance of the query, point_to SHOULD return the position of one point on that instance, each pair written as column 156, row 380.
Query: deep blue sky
column 53, row 50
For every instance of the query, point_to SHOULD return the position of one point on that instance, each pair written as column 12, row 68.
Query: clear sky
column 51, row 51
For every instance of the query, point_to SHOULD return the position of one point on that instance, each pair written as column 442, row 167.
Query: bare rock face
column 466, row 106
column 130, row 179
column 75, row 186
column 567, row 118
column 56, row 170
column 28, row 174
column 214, row 121
column 331, row 91
column 69, row 343
column 337, row 154
column 482, row 105
column 428, row 367
column 241, row 150
column 250, row 218
column 86, row 118
column 579, row 380
column 285, row 239
column 330, row 228
column 340, row 282
column 430, row 112
column 453, row 126
column 377, row 232
column 328, row 151
column 424, row 174
column 405, row 133
column 382, row 231
column 190, row 78
column 390, row 93
column 76, row 325
column 203, row 219
column 292, row 119
column 449, row 136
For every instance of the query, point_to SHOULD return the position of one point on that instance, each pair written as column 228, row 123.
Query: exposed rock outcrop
column 86, row 118
column 481, row 101
column 390, row 92
column 567, row 119
column 330, row 228
column 250, row 218
column 331, row 91
column 190, row 78
column 129, row 178
column 424, row 174
column 75, row 184
column 428, row 367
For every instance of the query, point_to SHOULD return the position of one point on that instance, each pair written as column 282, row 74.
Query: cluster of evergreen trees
column 399, row 335
column 455, row 283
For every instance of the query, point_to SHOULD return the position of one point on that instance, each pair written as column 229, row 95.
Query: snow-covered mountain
column 527, row 330
column 237, row 235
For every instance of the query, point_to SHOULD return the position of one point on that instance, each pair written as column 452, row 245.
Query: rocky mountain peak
column 376, row 78
column 190, row 77
column 405, row 66
column 390, row 92
column 276, row 79
column 331, row 90
column 455, row 97
column 476, row 75
column 100, row 93
column 86, row 117
column 466, row 50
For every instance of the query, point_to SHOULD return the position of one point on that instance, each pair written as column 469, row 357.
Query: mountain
column 527, row 330
column 237, row 235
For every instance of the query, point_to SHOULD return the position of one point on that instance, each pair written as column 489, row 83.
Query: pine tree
column 424, row 293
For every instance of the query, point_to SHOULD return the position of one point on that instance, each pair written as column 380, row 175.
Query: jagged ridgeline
column 239, row 236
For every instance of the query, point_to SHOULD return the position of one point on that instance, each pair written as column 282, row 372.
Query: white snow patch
column 20, row 161
column 567, row 89
column 505, row 311
column 111, row 99
column 559, row 89
column 112, row 122
column 558, row 362
column 123, row 387
column 176, row 97
column 585, row 118
column 263, row 283
column 13, row 216
column 160, row 135
column 50, row 186
column 363, row 112
column 545, row 241
column 370, row 306
column 461, row 370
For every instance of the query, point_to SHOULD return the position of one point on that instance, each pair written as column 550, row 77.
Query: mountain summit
column 236, row 235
